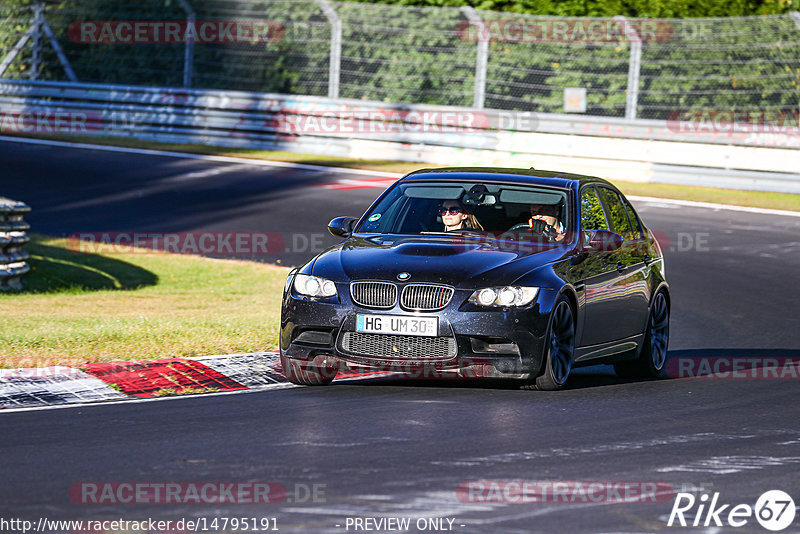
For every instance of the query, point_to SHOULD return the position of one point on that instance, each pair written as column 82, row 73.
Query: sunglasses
column 451, row 211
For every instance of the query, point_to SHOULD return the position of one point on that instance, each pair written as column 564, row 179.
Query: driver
column 548, row 213
column 456, row 217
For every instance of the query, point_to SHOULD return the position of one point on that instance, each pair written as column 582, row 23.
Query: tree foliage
column 611, row 8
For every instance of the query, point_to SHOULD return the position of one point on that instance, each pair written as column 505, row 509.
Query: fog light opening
column 494, row 345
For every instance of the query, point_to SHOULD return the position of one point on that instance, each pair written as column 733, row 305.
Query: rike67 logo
column 774, row 510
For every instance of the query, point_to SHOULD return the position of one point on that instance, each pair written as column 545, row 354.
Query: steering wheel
column 537, row 226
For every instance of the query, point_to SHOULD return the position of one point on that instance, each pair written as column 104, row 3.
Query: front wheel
column 559, row 348
column 307, row 373
column 653, row 356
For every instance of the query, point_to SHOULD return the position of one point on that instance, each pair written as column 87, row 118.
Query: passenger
column 456, row 217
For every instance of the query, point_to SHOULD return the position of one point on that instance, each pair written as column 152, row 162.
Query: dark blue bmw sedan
column 482, row 272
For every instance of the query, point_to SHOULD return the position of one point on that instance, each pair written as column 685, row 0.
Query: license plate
column 406, row 325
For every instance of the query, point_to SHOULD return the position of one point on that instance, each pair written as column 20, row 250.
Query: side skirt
column 612, row 352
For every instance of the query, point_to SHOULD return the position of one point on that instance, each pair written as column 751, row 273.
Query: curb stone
column 116, row 381
column 147, row 379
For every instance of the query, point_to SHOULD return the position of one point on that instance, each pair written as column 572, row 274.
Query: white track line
column 346, row 170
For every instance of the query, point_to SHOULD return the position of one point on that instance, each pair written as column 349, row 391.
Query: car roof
column 530, row 176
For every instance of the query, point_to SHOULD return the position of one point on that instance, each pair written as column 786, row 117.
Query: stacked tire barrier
column 13, row 265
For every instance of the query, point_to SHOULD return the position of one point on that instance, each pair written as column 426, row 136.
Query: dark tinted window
column 636, row 224
column 616, row 213
column 491, row 209
column 592, row 217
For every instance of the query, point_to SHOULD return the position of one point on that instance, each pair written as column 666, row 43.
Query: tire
column 559, row 348
column 306, row 373
column 653, row 356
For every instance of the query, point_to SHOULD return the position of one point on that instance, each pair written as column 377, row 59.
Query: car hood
column 448, row 260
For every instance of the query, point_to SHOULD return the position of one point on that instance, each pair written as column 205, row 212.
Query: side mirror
column 602, row 241
column 342, row 226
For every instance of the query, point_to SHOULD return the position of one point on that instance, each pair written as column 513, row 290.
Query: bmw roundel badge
column 403, row 276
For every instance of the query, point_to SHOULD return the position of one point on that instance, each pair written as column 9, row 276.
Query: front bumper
column 489, row 342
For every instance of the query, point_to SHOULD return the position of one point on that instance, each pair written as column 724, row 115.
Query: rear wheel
column 653, row 355
column 307, row 373
column 559, row 348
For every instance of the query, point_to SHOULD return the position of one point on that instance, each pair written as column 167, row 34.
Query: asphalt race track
column 402, row 448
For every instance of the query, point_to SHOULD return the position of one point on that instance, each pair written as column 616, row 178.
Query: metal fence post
column 36, row 55
column 796, row 18
column 634, row 67
column 59, row 52
column 11, row 56
column 334, row 74
column 482, row 58
column 188, row 53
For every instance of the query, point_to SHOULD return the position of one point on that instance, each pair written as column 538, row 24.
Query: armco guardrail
column 12, row 237
column 639, row 150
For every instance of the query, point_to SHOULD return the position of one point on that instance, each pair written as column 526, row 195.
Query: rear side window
column 592, row 217
column 636, row 224
column 616, row 212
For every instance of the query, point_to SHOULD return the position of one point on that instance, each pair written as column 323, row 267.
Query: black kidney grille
column 374, row 294
column 394, row 346
column 426, row 297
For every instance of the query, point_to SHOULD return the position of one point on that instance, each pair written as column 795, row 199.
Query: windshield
column 471, row 208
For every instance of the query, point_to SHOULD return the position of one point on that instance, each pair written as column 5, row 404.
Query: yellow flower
column 555, row 65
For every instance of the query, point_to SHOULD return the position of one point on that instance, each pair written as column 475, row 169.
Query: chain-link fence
column 646, row 69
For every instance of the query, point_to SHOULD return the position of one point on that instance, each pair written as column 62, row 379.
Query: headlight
column 504, row 296
column 314, row 286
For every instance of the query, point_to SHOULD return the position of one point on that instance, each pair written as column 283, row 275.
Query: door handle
column 647, row 260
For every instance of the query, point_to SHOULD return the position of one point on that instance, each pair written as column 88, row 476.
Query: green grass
column 79, row 308
column 758, row 199
column 735, row 197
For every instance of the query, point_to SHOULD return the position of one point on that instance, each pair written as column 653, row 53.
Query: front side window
column 471, row 208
